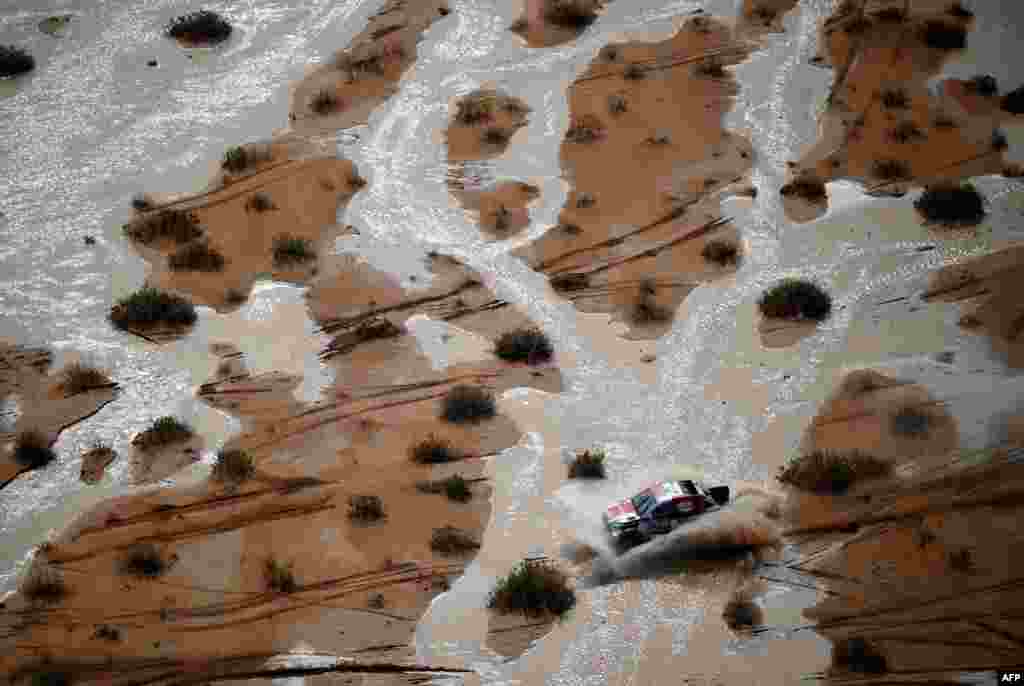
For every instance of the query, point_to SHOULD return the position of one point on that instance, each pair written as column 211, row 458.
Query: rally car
column 660, row 508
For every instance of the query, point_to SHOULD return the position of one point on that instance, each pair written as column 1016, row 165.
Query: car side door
column 664, row 516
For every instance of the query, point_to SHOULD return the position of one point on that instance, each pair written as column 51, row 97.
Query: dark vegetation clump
column 906, row 132
column 720, row 252
column 465, row 404
column 32, row 450
column 432, row 450
column 857, row 655
column 476, row 107
column 795, row 299
column 828, row 473
column 573, row 14
column 279, row 576
column 196, row 257
column 142, row 202
column 78, row 378
column 951, row 205
column 890, row 170
column 144, row 561
column 588, row 464
column 711, row 69
column 959, row 11
column 454, row 487
column 984, row 85
column 894, row 99
column 533, row 589
column 290, row 250
column 165, row 430
column 450, row 540
column 44, row 584
column 646, row 311
column 495, row 136
column 524, row 345
column 260, row 202
column 51, row 678
column 811, row 190
column 365, row 508
column 149, row 307
column 569, row 281
column 15, row 61
column 633, row 72
column 911, row 422
column 1013, row 102
column 584, row 130
column 324, row 102
column 741, row 614
column 961, row 561
column 941, row 35
column 233, row 467
column 105, row 632
column 236, row 159
column 202, row 26
column 179, row 226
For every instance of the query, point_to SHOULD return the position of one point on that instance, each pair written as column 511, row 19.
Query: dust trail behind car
column 738, row 528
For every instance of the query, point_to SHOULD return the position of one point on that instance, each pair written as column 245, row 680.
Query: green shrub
column 741, row 613
column 15, row 61
column 465, row 404
column 432, row 450
column 196, row 257
column 831, row 473
column 720, row 252
column 175, row 225
column 236, row 159
column 588, row 464
column 454, row 488
column 528, row 345
column 78, row 378
column 202, row 26
column 149, row 307
column 144, row 561
column 32, row 450
column 795, row 299
column 572, row 14
column 233, row 467
column 164, row 431
column 951, row 205
column 290, row 250
column 366, row 508
column 533, row 589
column 279, row 576
column 450, row 540
column 476, row 107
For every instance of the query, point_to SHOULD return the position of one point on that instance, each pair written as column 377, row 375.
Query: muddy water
column 94, row 124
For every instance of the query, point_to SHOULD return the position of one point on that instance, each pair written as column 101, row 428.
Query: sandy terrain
column 890, row 143
column 990, row 287
column 41, row 402
column 631, row 245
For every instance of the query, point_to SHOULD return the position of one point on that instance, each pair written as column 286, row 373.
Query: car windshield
column 644, row 503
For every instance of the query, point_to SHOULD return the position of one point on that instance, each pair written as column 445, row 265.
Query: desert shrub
column 905, row 132
column 609, row 53
column 720, row 252
column 951, row 205
column 795, row 299
column 51, row 678
column 812, row 190
column 530, row 345
column 533, row 589
column 825, row 472
column 143, row 560
column 44, row 584
column 202, row 26
column 495, row 136
column 633, row 72
column 575, row 14
column 165, row 430
column 233, row 467
column 235, row 159
column 450, row 540
column 15, row 61
column 588, row 464
column 142, row 202
column 260, row 202
column 365, row 508
column 570, row 281
column 890, row 170
column 699, row 24
column 290, row 250
column 984, row 85
column 911, row 422
column 943, row 35
column 857, row 655
column 645, row 311
column 433, row 450
column 740, row 613
column 961, row 561
column 105, row 632
column 78, row 378
column 894, row 98
column 279, row 576
column 711, row 69
column 585, row 200
column 149, row 307
column 196, row 257
column 324, row 102
column 465, row 404
column 175, row 225
column 456, row 488
column 376, row 601
column 32, row 450
column 501, row 218
column 476, row 107
column 1013, row 102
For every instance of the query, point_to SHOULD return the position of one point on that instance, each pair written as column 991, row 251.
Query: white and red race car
column 660, row 508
